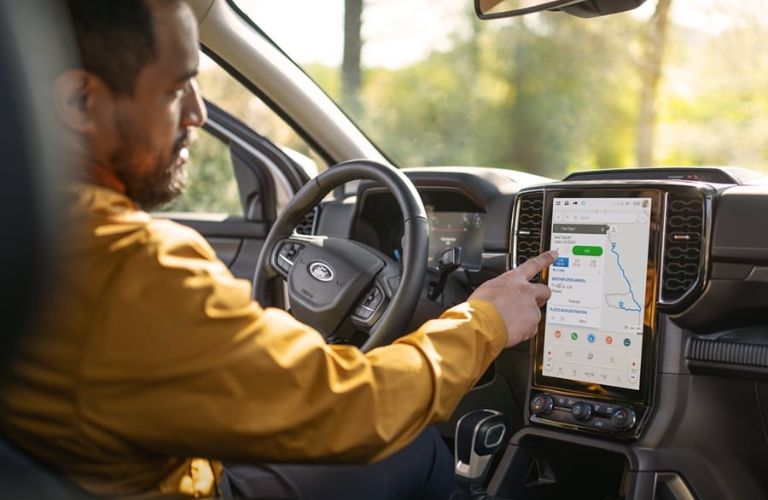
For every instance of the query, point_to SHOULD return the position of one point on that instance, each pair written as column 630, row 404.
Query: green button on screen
column 588, row 250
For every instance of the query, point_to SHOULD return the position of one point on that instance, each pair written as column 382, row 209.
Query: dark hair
column 115, row 39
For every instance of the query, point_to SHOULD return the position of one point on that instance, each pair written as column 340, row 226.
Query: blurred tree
column 650, row 73
column 543, row 94
column 351, row 72
column 552, row 93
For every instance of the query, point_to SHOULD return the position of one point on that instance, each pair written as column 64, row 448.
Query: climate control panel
column 597, row 416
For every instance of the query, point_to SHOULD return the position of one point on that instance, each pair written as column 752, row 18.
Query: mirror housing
column 494, row 9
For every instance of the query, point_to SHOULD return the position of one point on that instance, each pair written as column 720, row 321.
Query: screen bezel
column 643, row 394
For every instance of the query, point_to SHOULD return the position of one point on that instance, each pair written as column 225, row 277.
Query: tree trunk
column 351, row 73
column 650, row 73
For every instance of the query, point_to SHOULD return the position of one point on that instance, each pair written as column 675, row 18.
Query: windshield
column 676, row 82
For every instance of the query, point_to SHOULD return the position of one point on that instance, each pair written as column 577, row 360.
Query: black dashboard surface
column 709, row 354
column 481, row 200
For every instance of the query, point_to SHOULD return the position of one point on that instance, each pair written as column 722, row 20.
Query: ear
column 76, row 94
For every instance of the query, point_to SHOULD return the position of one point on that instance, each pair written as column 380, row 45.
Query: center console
column 595, row 355
column 631, row 254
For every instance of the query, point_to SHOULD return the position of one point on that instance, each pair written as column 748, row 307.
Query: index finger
column 534, row 266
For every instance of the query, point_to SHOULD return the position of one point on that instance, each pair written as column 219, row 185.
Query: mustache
column 183, row 141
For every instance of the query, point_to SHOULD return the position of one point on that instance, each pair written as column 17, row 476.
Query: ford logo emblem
column 320, row 271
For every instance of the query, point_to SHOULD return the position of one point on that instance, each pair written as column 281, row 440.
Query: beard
column 157, row 185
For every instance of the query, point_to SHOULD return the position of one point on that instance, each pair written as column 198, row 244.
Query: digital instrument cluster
column 448, row 230
column 455, row 221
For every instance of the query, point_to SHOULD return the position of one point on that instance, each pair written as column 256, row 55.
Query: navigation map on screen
column 594, row 324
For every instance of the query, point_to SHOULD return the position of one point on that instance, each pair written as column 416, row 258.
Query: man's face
column 152, row 126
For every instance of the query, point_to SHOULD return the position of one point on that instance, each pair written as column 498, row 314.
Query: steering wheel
column 330, row 280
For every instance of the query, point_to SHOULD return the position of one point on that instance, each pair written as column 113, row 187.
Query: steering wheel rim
column 395, row 314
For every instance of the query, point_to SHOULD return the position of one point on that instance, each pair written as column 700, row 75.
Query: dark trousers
column 422, row 470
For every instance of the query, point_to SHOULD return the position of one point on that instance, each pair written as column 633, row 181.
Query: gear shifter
column 479, row 435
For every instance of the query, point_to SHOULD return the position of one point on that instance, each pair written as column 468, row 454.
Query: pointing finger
column 534, row 266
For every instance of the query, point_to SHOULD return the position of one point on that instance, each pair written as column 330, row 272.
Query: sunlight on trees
column 551, row 93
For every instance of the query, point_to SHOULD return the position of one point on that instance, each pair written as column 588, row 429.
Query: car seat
column 30, row 49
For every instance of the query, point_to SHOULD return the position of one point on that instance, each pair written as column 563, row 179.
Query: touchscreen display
column 594, row 324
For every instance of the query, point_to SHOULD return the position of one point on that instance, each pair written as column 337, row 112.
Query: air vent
column 307, row 223
column 528, row 226
column 683, row 246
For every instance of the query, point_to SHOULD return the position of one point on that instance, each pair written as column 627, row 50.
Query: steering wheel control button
column 374, row 298
column 370, row 303
column 623, row 419
column 363, row 312
column 582, row 411
column 542, row 404
column 286, row 257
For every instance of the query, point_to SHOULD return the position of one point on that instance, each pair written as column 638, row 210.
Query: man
column 154, row 354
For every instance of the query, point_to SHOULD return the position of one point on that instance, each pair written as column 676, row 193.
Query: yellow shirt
column 154, row 353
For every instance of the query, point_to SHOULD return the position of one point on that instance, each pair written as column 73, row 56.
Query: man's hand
column 516, row 299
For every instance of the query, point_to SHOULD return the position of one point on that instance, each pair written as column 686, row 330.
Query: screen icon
column 609, row 340
column 561, row 262
column 574, row 336
column 591, row 338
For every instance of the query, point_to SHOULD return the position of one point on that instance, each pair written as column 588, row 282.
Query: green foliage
column 544, row 98
column 714, row 110
column 211, row 185
column 546, row 94
column 551, row 93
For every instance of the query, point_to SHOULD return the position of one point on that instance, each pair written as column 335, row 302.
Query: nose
column 193, row 112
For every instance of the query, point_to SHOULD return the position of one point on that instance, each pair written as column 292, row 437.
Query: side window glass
column 211, row 185
column 225, row 91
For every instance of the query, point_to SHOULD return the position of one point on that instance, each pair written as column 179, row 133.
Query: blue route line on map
column 629, row 284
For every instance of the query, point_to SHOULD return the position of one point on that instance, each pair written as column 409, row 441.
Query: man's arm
column 189, row 365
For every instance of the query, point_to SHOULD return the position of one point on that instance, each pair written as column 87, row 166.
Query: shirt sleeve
column 184, row 362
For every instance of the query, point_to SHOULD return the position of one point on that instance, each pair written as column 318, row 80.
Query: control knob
column 581, row 411
column 623, row 418
column 542, row 404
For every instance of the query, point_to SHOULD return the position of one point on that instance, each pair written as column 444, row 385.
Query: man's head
column 133, row 100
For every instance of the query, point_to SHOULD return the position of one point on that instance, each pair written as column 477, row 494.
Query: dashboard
column 653, row 349
column 455, row 220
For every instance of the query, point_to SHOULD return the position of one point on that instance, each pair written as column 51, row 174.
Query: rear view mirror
column 490, row 9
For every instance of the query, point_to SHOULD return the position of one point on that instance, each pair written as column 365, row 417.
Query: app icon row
column 591, row 338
